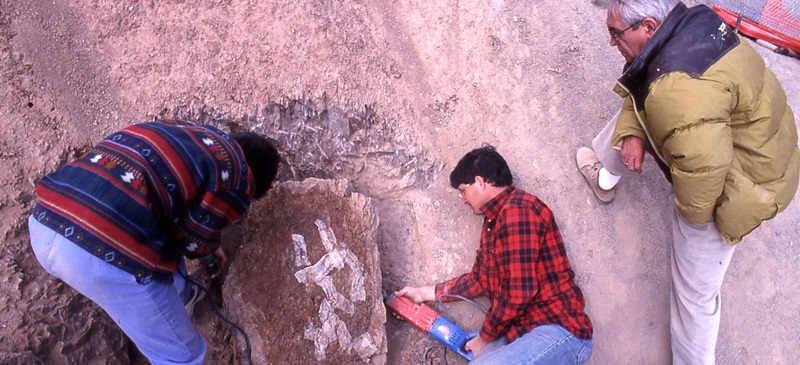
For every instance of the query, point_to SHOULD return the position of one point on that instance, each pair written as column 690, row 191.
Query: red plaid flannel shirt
column 522, row 267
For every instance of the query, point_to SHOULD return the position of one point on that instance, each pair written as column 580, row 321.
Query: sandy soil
column 387, row 95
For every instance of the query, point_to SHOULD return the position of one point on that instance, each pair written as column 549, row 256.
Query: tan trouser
column 700, row 259
column 609, row 157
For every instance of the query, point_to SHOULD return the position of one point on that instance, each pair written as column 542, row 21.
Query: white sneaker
column 590, row 167
column 195, row 296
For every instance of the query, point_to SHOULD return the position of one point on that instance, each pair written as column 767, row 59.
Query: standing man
column 116, row 223
column 537, row 310
column 703, row 103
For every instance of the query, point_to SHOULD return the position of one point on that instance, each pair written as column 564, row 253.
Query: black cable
column 431, row 347
column 219, row 314
column 738, row 23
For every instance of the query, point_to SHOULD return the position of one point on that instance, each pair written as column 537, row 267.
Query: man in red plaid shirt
column 537, row 310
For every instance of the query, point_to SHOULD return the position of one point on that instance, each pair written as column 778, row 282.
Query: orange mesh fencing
column 775, row 21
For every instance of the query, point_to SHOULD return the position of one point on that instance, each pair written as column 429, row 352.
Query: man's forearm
column 464, row 285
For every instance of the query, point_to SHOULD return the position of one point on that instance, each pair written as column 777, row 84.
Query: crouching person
column 537, row 310
column 116, row 223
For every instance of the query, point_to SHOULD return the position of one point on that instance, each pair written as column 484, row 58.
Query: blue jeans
column 543, row 345
column 152, row 315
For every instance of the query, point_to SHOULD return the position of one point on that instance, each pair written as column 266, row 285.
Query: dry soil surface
column 389, row 95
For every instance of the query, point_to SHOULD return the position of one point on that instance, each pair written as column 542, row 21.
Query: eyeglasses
column 615, row 33
column 461, row 191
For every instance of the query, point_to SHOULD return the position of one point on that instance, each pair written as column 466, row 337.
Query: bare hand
column 475, row 345
column 418, row 294
column 633, row 153
column 222, row 260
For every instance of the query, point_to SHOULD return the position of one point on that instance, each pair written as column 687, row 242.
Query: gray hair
column 633, row 11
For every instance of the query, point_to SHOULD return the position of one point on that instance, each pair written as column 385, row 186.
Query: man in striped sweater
column 116, row 223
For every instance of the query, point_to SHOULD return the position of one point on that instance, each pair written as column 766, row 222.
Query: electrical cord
column 431, row 347
column 441, row 305
column 220, row 315
column 447, row 314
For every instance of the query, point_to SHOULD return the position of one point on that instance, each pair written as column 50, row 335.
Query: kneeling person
column 537, row 310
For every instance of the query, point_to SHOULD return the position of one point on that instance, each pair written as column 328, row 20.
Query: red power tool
column 432, row 323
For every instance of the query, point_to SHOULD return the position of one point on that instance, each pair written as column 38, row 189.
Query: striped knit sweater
column 149, row 194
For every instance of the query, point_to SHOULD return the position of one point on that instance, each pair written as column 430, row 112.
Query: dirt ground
column 389, row 95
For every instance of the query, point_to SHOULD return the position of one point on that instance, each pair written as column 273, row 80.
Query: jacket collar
column 689, row 40
column 493, row 207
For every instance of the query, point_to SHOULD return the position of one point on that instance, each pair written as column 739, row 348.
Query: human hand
column 418, row 294
column 214, row 264
column 475, row 345
column 633, row 153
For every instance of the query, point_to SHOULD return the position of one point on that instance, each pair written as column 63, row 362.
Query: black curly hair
column 262, row 158
column 484, row 162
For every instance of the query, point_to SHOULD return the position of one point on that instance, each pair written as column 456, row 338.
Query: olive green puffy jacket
column 728, row 138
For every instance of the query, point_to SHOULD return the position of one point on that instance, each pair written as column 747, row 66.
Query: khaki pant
column 700, row 259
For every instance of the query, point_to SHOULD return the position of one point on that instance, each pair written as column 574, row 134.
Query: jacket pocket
column 742, row 207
